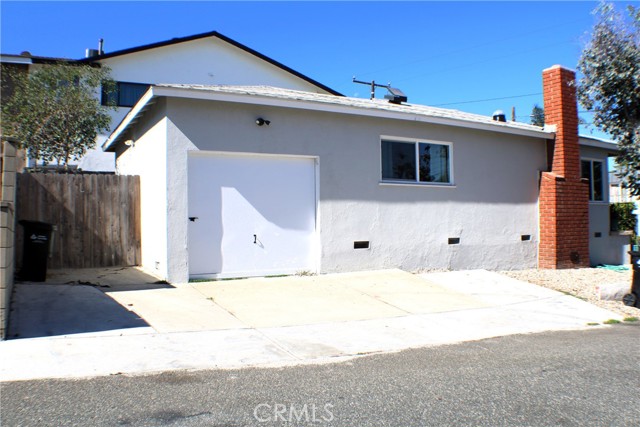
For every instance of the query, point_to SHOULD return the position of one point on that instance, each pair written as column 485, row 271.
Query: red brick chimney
column 564, row 196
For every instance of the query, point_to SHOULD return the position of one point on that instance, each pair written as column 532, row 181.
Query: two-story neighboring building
column 208, row 59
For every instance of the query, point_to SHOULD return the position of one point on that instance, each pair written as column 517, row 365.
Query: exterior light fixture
column 261, row 122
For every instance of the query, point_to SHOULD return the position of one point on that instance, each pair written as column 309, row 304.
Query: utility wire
column 467, row 48
column 488, row 99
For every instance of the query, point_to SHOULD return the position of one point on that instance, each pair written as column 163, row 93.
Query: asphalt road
column 579, row 378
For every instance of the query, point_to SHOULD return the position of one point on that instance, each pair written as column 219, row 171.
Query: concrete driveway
column 99, row 322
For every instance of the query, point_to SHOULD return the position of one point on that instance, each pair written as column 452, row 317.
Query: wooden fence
column 97, row 217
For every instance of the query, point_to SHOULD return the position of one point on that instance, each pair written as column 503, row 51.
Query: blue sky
column 438, row 53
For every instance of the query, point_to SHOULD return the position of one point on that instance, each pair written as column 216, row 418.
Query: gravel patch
column 581, row 283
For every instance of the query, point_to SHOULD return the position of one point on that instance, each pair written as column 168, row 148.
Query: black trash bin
column 37, row 237
column 633, row 299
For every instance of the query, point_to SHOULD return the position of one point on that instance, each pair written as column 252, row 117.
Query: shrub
column 622, row 217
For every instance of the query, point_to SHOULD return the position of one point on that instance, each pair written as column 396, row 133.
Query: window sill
column 415, row 184
column 621, row 233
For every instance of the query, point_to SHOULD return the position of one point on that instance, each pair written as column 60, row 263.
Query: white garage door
column 251, row 215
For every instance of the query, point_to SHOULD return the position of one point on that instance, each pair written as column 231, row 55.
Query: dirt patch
column 581, row 283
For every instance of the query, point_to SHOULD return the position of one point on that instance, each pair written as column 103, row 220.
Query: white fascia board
column 598, row 143
column 131, row 116
column 15, row 59
column 158, row 91
column 344, row 109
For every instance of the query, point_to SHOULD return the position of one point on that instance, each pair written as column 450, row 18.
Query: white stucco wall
column 208, row 61
column 148, row 159
column 605, row 247
column 493, row 202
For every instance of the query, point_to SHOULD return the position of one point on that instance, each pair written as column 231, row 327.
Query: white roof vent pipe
column 499, row 116
column 91, row 53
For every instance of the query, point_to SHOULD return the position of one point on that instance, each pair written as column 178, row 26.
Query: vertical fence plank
column 97, row 216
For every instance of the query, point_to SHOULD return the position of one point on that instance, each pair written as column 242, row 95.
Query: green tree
column 537, row 116
column 55, row 111
column 610, row 85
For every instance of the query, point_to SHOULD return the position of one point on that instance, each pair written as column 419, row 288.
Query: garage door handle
column 193, row 218
column 255, row 238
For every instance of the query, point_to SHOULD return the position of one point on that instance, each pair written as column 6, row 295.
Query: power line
column 468, row 48
column 488, row 99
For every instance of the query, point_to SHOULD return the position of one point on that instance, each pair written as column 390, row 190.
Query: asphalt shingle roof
column 360, row 103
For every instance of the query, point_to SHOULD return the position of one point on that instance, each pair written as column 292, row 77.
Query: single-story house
column 243, row 181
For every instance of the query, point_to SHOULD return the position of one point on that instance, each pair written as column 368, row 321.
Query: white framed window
column 125, row 94
column 594, row 170
column 416, row 161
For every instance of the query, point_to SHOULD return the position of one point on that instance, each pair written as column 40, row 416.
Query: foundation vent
column 361, row 244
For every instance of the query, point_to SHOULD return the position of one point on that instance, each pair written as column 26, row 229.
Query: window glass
column 593, row 170
column 416, row 162
column 434, row 162
column 109, row 98
column 124, row 94
column 597, row 181
column 586, row 169
column 130, row 93
column 398, row 160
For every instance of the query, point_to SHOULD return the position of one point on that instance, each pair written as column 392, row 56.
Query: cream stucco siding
column 491, row 205
column 148, row 159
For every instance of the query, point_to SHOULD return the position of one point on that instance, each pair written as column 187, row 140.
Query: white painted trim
column 416, row 142
column 316, row 236
column 344, row 109
column 15, row 59
column 130, row 117
column 598, row 143
column 415, row 184
column 243, row 274
column 605, row 179
column 265, row 100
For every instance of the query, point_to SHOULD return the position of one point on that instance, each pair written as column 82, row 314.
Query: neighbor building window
column 124, row 94
column 416, row 161
column 593, row 170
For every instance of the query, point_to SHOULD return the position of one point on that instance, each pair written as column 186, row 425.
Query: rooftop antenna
column 395, row 96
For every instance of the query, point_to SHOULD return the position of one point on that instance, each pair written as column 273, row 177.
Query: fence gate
column 97, row 217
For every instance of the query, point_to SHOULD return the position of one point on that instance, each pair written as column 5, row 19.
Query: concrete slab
column 492, row 289
column 74, row 357
column 285, row 301
column 409, row 292
column 53, row 310
column 298, row 320
column 180, row 309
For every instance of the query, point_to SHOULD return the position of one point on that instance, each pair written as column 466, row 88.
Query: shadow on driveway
column 74, row 302
column 49, row 310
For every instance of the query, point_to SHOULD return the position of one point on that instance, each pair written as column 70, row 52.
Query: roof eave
column 345, row 109
column 221, row 37
column 157, row 91
column 132, row 116
column 598, row 143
